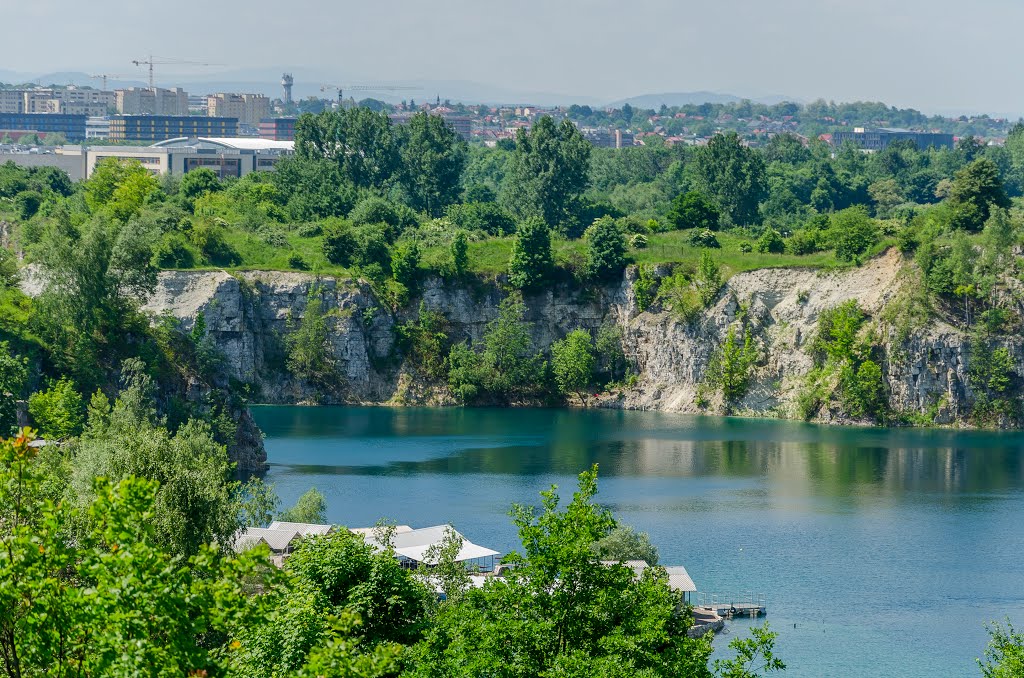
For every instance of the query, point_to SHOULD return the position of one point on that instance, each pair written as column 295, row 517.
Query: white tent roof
column 414, row 544
column 305, row 529
column 678, row 578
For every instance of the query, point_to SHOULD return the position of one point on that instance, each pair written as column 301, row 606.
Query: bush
column 296, row 261
column 708, row 279
column 376, row 210
column 638, row 241
column 702, row 237
column 746, row 247
column 863, row 390
column 573, row 363
column 771, row 242
column 729, row 369
column 27, row 203
column 805, row 241
column 340, row 243
column 460, row 253
column 174, row 251
column 485, row 217
column 59, row 412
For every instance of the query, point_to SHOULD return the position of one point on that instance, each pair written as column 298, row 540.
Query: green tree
column 433, row 158
column 405, row 260
column 733, row 175
column 360, row 142
column 199, row 182
column 311, row 507
column 560, row 612
column 460, row 254
column 693, row 210
column 59, row 411
column 96, row 273
column 548, row 173
column 120, row 188
column 1004, row 656
column 113, row 599
column 754, row 655
column 573, row 363
column 708, row 279
column 853, row 232
column 194, row 504
column 976, row 190
column 606, row 249
column 530, row 264
column 310, row 357
column 729, row 369
column 13, row 378
column 771, row 242
column 624, row 543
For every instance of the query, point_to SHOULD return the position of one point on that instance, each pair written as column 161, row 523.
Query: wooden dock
column 730, row 606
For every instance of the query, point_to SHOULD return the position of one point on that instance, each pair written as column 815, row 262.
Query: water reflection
column 815, row 460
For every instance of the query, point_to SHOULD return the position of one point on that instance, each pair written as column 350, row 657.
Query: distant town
column 173, row 131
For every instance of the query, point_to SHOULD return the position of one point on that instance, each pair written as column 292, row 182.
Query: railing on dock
column 749, row 604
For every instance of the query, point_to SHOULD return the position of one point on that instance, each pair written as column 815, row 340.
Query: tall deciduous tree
column 359, row 141
column 548, row 173
column 433, row 158
column 733, row 175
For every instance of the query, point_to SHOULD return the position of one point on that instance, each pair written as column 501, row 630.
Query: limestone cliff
column 249, row 315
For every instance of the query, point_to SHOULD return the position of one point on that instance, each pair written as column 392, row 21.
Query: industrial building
column 163, row 127
column 226, row 156
column 151, row 101
column 250, row 109
column 20, row 124
column 880, row 139
column 277, row 129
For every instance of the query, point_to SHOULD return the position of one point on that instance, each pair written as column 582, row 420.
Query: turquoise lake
column 881, row 552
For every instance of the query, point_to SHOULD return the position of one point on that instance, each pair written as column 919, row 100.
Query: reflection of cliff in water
column 790, row 457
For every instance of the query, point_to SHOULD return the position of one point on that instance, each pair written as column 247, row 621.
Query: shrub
column 296, row 261
column 702, row 237
column 708, row 279
column 730, row 367
column 771, row 242
column 638, row 241
column 746, row 247
column 377, row 210
column 340, row 243
column 862, row 390
column 173, row 251
column 805, row 241
column 853, row 232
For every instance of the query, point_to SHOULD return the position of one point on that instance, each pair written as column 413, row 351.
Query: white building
column 155, row 101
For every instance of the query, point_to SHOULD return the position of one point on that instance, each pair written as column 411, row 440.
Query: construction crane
column 166, row 61
column 364, row 88
column 104, row 77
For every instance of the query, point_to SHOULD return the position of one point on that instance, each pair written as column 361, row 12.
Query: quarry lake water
column 881, row 552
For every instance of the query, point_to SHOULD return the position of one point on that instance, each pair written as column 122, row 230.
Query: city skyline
column 908, row 54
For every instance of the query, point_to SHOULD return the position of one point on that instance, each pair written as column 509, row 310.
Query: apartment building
column 250, row 109
column 155, row 101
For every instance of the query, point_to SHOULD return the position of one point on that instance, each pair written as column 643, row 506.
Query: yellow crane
column 166, row 61
column 364, row 88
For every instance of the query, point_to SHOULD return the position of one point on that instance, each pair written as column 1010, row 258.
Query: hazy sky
column 930, row 54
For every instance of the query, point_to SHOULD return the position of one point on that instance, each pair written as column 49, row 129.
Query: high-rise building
column 163, row 127
column 462, row 124
column 155, row 101
column 248, row 108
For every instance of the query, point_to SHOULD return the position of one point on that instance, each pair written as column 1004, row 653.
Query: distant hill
column 692, row 98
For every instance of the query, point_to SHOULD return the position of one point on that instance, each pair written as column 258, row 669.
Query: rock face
column 250, row 315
